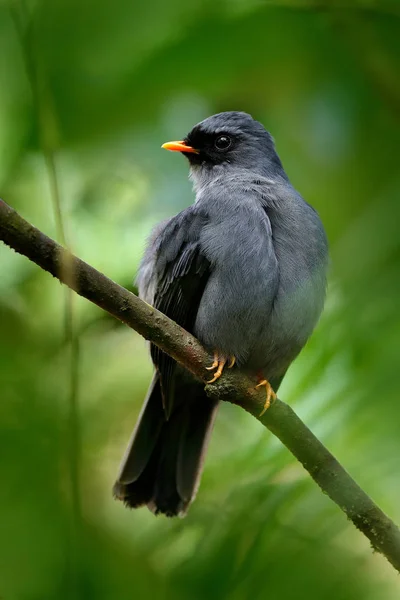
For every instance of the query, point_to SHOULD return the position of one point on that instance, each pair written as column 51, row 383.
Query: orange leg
column 219, row 364
column 270, row 395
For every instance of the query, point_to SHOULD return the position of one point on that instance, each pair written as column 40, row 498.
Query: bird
column 243, row 269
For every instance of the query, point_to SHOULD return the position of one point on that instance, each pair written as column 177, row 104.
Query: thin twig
column 234, row 386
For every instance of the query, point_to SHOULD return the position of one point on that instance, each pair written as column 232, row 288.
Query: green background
column 94, row 89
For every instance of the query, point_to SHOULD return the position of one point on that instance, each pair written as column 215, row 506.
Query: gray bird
column 244, row 270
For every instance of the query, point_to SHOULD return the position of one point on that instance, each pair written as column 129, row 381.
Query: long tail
column 163, row 462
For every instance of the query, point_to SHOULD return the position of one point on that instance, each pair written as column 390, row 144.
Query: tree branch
column 234, row 386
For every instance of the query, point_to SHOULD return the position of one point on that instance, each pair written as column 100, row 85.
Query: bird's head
column 228, row 142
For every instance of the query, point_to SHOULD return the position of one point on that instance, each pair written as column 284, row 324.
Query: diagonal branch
column 234, row 386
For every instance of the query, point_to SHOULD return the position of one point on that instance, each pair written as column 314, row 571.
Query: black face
column 212, row 147
column 229, row 137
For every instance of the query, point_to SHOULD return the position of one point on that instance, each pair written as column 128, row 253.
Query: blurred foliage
column 98, row 87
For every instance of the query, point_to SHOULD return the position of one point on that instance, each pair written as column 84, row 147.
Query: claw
column 215, row 363
column 218, row 372
column 219, row 364
column 270, row 395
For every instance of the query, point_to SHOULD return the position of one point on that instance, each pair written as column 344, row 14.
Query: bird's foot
column 215, row 363
column 271, row 396
column 219, row 364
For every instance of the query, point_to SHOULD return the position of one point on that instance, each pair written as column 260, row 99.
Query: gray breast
column 243, row 282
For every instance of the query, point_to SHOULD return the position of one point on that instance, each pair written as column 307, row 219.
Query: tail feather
column 144, row 436
column 196, row 432
column 163, row 463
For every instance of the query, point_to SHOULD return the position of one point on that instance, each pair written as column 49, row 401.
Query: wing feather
column 177, row 272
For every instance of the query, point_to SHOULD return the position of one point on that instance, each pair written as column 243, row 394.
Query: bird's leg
column 219, row 364
column 270, row 394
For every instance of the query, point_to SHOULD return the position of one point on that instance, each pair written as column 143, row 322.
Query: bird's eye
column 223, row 142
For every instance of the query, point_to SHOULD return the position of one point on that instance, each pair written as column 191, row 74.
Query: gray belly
column 231, row 312
column 263, row 336
column 294, row 315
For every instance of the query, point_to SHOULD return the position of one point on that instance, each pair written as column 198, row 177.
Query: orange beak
column 179, row 147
